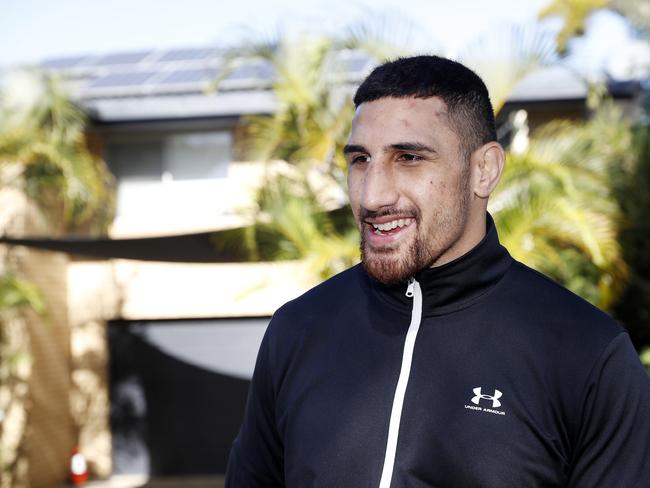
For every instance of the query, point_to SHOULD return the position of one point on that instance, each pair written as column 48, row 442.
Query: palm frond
column 574, row 15
column 555, row 208
column 386, row 35
column 43, row 131
column 16, row 293
column 507, row 55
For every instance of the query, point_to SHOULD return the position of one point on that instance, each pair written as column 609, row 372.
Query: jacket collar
column 456, row 284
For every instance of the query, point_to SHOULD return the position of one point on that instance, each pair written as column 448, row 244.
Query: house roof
column 179, row 83
column 180, row 106
column 551, row 83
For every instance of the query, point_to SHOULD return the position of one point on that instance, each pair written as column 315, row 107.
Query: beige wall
column 139, row 290
column 51, row 435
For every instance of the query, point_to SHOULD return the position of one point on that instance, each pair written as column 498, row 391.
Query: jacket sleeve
column 613, row 447
column 256, row 457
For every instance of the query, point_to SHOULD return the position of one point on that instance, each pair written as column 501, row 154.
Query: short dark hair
column 469, row 109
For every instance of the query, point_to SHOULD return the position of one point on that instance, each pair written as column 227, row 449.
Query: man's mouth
column 390, row 227
column 383, row 233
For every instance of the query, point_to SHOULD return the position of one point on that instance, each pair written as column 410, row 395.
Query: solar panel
column 122, row 79
column 258, row 71
column 190, row 54
column 121, row 58
column 180, row 70
column 189, row 76
column 62, row 63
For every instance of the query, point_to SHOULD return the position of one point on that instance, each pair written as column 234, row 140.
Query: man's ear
column 487, row 165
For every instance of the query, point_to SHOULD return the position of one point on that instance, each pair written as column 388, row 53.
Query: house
column 161, row 352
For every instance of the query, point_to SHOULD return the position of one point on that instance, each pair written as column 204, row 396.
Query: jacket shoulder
column 332, row 293
column 319, row 307
column 557, row 309
column 307, row 321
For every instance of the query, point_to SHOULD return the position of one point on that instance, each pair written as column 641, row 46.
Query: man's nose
column 379, row 187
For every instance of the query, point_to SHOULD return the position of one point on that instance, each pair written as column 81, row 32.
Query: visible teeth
column 391, row 225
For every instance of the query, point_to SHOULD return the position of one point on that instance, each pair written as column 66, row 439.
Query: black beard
column 421, row 253
column 396, row 270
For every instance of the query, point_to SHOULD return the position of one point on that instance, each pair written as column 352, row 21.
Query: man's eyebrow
column 400, row 146
column 409, row 146
column 353, row 148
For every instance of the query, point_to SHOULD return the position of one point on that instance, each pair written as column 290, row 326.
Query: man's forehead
column 424, row 116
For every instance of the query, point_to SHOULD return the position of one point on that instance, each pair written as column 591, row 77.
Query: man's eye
column 362, row 158
column 409, row 157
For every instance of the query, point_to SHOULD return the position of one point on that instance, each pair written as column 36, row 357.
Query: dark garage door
column 178, row 390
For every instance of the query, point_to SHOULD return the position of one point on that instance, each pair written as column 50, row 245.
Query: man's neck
column 473, row 233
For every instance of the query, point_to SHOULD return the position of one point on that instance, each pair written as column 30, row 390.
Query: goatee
column 391, row 267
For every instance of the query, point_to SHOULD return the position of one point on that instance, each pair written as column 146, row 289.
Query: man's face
column 409, row 186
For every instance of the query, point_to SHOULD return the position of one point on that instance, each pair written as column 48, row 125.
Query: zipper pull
column 409, row 288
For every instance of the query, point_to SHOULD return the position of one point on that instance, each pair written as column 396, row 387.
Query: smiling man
column 414, row 193
column 439, row 361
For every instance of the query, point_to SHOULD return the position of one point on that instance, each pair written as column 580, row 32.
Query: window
column 138, row 161
column 200, row 155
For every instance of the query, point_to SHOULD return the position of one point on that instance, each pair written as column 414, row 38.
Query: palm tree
column 293, row 222
column 574, row 15
column 555, row 208
column 314, row 109
column 633, row 307
column 508, row 55
column 42, row 134
column 307, row 132
column 554, row 205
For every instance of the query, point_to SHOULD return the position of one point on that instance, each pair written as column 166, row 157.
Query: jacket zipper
column 413, row 290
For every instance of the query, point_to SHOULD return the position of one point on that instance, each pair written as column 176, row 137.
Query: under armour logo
column 479, row 396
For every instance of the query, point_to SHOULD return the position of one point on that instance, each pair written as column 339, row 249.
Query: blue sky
column 33, row 30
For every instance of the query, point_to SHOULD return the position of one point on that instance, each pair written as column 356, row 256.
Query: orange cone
column 78, row 468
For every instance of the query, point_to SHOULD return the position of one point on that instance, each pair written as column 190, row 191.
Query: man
column 440, row 361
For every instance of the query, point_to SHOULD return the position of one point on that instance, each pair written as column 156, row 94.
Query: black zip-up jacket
column 490, row 375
